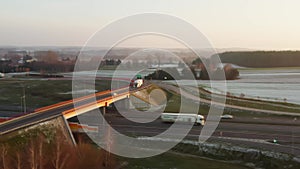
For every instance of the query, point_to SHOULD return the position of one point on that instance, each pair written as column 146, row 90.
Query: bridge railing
column 99, row 103
column 64, row 103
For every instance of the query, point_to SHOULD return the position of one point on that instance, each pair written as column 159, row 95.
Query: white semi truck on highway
column 182, row 117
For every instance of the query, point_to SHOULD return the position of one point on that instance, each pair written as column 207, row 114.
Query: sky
column 252, row 24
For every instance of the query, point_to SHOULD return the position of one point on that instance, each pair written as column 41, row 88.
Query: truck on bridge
column 137, row 82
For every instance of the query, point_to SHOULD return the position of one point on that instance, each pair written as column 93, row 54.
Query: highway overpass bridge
column 65, row 110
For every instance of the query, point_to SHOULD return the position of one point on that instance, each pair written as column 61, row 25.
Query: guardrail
column 116, row 95
column 82, row 109
column 61, row 104
column 91, row 106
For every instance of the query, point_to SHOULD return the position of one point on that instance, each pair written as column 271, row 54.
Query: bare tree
column 60, row 156
column 19, row 160
column 40, row 152
column 37, row 153
column 32, row 155
column 4, row 156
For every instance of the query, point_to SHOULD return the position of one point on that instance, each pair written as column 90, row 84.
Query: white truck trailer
column 182, row 117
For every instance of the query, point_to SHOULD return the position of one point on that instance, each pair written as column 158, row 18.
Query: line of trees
column 45, row 67
column 42, row 153
column 195, row 72
column 261, row 59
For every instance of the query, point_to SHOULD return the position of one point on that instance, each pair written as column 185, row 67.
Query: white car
column 227, row 116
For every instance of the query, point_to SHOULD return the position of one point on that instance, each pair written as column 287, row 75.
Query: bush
column 42, row 153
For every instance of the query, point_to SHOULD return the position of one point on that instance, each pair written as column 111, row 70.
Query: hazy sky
column 255, row 24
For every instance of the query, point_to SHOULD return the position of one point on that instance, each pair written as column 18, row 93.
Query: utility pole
column 24, row 96
column 23, row 99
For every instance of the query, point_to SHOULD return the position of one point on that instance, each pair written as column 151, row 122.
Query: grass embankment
column 253, row 103
column 20, row 139
column 178, row 161
column 175, row 104
column 39, row 92
column 267, row 68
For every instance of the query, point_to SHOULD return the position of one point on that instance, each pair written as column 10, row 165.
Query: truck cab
column 137, row 82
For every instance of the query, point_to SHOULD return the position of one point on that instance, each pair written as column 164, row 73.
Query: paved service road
column 192, row 97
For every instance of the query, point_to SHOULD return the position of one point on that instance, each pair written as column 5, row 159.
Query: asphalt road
column 237, row 132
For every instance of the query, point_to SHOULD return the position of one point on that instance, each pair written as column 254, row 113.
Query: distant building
column 46, row 56
column 4, row 59
column 28, row 59
column 14, row 53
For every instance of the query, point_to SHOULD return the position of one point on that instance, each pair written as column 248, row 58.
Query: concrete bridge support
column 68, row 130
column 122, row 104
column 103, row 110
column 56, row 123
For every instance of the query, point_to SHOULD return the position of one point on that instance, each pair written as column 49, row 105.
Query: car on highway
column 227, row 116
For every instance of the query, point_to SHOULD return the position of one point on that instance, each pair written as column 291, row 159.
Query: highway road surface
column 254, row 134
column 239, row 131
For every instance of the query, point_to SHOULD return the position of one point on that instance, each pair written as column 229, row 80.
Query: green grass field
column 255, row 103
column 178, row 161
column 175, row 104
column 38, row 92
